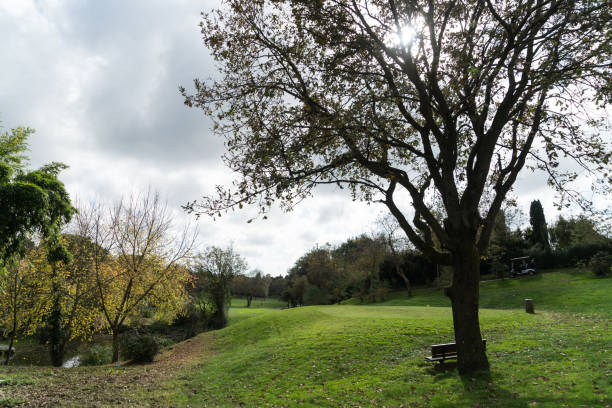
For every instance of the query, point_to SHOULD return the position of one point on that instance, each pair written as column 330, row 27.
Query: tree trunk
column 464, row 294
column 115, row 333
column 398, row 270
column 56, row 346
column 13, row 333
column 219, row 319
column 8, row 351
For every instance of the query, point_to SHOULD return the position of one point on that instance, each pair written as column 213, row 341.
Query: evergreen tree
column 539, row 234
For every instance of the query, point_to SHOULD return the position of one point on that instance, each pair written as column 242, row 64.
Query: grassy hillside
column 364, row 355
column 356, row 355
column 566, row 291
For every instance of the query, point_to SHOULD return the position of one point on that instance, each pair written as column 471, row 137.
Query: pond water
column 72, row 362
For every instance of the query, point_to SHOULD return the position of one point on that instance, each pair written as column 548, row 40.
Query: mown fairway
column 373, row 355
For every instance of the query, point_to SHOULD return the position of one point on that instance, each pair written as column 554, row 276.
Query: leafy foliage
column 13, row 144
column 22, row 305
column 215, row 269
column 30, row 201
column 601, row 263
column 317, row 93
column 139, row 348
column 252, row 286
column 95, row 355
column 135, row 258
column 574, row 231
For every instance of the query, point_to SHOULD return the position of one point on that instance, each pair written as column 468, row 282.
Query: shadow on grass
column 443, row 370
column 476, row 390
column 481, row 390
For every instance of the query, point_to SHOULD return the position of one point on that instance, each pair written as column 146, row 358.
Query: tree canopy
column 32, row 201
column 134, row 255
column 217, row 267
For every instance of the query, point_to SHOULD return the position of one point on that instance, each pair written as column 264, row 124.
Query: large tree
column 215, row 269
column 581, row 230
column 432, row 108
column 137, row 257
column 254, row 284
column 33, row 203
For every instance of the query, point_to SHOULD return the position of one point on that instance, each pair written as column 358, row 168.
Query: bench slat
column 446, row 357
column 446, row 351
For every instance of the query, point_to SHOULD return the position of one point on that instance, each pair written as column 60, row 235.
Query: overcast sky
column 98, row 81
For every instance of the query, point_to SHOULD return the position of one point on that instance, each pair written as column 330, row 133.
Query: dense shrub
column 544, row 258
column 96, row 355
column 158, row 327
column 147, row 310
column 315, row 296
column 583, row 252
column 165, row 342
column 278, row 284
column 499, row 269
column 380, row 294
column 197, row 315
column 139, row 348
column 601, row 264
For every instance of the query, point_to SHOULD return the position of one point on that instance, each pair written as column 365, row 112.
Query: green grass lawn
column 365, row 355
column 258, row 303
column 568, row 291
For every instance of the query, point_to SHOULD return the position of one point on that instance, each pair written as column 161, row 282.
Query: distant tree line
column 367, row 267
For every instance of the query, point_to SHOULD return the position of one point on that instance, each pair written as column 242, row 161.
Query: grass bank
column 366, row 355
column 569, row 290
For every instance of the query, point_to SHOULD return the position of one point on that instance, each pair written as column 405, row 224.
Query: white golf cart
column 525, row 265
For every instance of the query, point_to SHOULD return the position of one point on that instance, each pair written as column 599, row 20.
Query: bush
column 314, row 296
column 380, row 294
column 584, row 252
column 544, row 258
column 147, row 311
column 197, row 316
column 139, row 348
column 601, row 264
column 158, row 327
column 499, row 269
column 165, row 342
column 96, row 355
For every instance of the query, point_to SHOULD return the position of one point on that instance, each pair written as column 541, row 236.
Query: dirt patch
column 106, row 385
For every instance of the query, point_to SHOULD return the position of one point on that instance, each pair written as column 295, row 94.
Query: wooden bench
column 448, row 351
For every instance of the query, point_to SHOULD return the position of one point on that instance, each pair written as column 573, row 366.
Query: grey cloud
column 127, row 60
column 98, row 80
